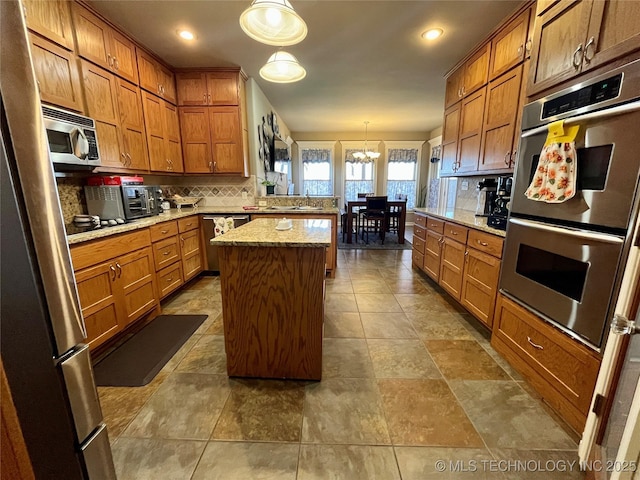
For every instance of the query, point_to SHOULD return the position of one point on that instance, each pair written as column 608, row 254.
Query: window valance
column 316, row 155
column 403, row 155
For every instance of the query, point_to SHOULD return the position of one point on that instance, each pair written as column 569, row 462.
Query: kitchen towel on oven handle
column 556, row 175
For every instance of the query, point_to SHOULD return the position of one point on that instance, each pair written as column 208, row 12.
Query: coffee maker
column 486, row 196
column 500, row 210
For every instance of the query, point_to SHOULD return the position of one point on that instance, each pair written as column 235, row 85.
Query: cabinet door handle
column 514, row 154
column 110, row 60
column 130, row 160
column 113, row 270
column 460, row 92
column 211, row 166
column 169, row 279
column 464, row 90
column 590, row 43
column 215, row 164
column 577, row 57
column 115, row 63
column 534, row 345
column 119, row 269
column 165, row 253
column 168, row 163
column 507, row 159
column 209, row 96
column 182, row 240
column 204, row 98
column 164, row 232
column 124, row 159
column 466, row 253
column 527, row 46
column 484, row 244
column 520, row 48
column 454, row 233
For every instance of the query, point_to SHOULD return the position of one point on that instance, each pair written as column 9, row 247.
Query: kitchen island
column 272, row 284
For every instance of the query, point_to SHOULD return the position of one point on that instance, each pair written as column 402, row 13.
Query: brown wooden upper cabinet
column 212, row 140
column 450, row 130
column 57, row 74
column 104, row 46
column 163, row 134
column 469, row 77
column 51, row 19
column 573, row 37
column 500, row 138
column 116, row 107
column 509, row 46
column 470, row 134
column 155, row 77
column 208, row 88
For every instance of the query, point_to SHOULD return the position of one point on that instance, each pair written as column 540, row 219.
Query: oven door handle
column 598, row 237
column 607, row 112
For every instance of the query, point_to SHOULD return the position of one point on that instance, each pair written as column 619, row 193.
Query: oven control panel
column 589, row 95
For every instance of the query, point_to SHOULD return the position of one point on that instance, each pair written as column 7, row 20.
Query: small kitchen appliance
column 486, row 196
column 120, row 200
column 500, row 208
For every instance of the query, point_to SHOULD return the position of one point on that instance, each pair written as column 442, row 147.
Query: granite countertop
column 463, row 217
column 175, row 214
column 262, row 233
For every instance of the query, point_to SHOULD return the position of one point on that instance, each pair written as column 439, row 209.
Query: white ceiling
column 365, row 60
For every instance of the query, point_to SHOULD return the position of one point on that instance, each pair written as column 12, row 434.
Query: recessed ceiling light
column 186, row 34
column 432, row 33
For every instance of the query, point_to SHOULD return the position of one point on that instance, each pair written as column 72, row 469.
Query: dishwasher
column 209, row 225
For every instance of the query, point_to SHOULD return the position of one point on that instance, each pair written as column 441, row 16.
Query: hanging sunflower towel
column 555, row 177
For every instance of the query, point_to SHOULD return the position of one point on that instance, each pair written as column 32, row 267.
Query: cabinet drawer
column 419, row 232
column 456, row 232
column 169, row 279
column 166, row 252
column 420, row 220
column 418, row 258
column 418, row 244
column 163, row 230
column 485, row 242
column 435, row 225
column 567, row 366
column 87, row 254
column 188, row 223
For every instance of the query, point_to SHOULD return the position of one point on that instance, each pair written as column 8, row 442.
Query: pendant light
column 273, row 22
column 365, row 154
column 282, row 67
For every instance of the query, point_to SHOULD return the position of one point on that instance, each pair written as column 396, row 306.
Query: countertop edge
column 176, row 214
column 462, row 217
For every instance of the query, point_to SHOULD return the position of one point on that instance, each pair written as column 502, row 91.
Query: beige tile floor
column 408, row 379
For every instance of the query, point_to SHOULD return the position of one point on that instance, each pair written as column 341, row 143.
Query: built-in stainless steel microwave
column 72, row 138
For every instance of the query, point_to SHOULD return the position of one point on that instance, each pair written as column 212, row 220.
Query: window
column 402, row 170
column 358, row 175
column 316, row 169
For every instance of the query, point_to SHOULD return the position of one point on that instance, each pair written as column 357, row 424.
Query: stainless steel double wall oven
column 563, row 260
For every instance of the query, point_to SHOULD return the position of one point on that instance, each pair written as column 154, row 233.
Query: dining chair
column 343, row 223
column 361, row 210
column 374, row 219
column 394, row 214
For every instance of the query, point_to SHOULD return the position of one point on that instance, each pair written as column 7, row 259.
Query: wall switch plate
column 262, row 203
column 465, row 185
column 244, row 195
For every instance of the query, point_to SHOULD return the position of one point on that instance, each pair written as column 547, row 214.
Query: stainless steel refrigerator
column 47, row 366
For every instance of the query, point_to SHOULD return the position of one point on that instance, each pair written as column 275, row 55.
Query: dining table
column 362, row 202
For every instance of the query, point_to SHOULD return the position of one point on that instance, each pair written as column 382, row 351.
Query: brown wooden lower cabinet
column 452, row 266
column 191, row 254
column 561, row 370
column 480, row 285
column 116, row 283
column 169, row 279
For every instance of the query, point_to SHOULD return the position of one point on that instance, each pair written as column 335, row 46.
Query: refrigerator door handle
column 97, row 457
column 83, row 396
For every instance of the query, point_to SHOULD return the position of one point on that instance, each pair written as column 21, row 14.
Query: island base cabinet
column 560, row 369
column 272, row 305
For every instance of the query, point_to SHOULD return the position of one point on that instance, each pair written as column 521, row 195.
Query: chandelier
column 366, row 154
column 273, row 22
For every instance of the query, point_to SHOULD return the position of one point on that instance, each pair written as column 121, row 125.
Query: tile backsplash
column 216, row 192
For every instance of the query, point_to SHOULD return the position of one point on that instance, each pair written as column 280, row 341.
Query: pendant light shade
column 282, row 67
column 273, row 22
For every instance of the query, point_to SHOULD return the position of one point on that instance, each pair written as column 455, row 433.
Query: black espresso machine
column 500, row 208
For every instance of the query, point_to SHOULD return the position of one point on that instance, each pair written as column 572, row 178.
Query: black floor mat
column 137, row 361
